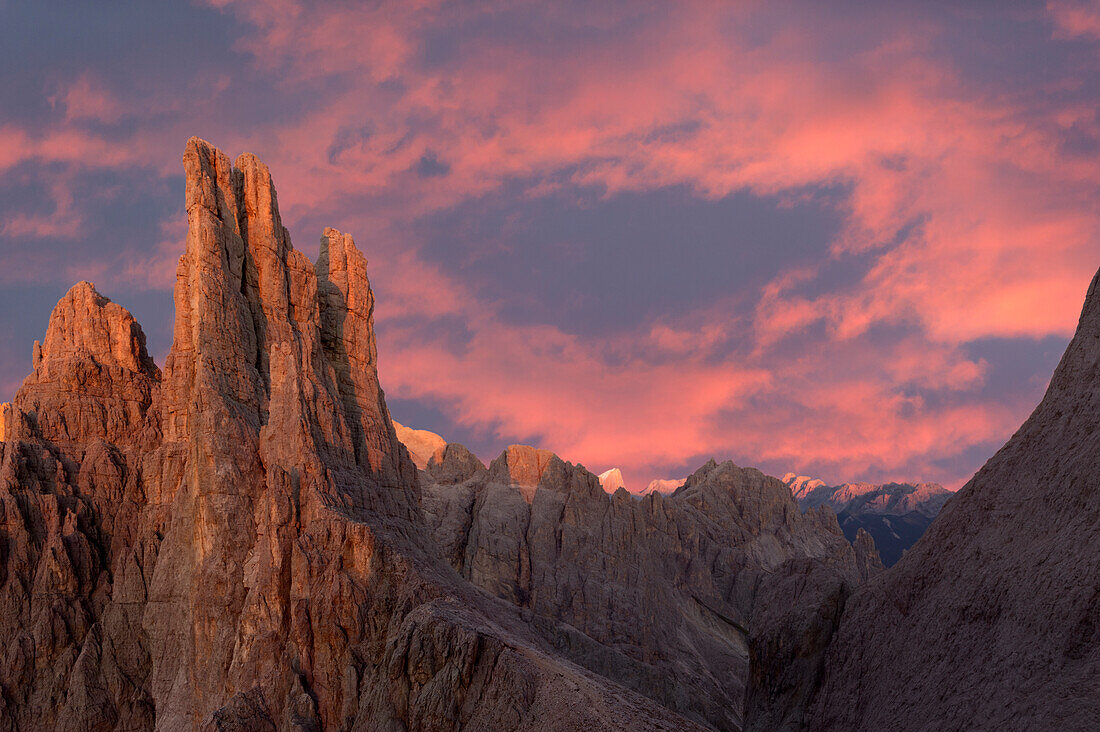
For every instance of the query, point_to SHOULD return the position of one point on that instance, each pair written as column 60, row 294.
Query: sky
column 849, row 240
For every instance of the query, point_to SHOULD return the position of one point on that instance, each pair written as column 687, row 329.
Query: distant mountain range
column 612, row 480
column 895, row 514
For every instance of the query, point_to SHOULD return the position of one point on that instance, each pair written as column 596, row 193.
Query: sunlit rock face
column 72, row 497
column 663, row 486
column 238, row 542
column 656, row 593
column 423, row 446
column 92, row 378
column 860, row 498
column 895, row 514
column 612, row 480
column 804, row 488
column 992, row 620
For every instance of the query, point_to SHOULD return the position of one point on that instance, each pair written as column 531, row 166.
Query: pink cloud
column 899, row 128
column 541, row 383
column 87, row 99
column 997, row 243
column 63, row 222
column 155, row 268
column 838, row 410
column 1075, row 18
column 977, row 222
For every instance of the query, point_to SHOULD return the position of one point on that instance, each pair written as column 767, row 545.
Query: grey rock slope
column 992, row 620
column 656, row 593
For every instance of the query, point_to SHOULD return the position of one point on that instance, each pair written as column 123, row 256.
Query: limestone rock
column 663, row 486
column 992, row 620
column 805, row 488
column 612, row 480
column 793, row 621
column 423, row 446
column 92, row 376
column 654, row 593
column 859, row 498
column 70, row 505
column 456, row 466
column 444, row 462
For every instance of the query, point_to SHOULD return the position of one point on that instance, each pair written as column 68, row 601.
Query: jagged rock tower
column 237, row 543
column 275, row 433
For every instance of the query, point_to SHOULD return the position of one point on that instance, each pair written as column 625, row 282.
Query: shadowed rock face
column 656, row 593
column 238, row 543
column 992, row 620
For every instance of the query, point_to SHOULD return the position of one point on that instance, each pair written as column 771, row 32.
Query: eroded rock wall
column 658, row 593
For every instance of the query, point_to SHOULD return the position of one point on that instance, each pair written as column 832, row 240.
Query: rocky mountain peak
column 522, row 465
column 93, row 354
column 802, row 485
column 457, row 465
column 86, row 325
column 663, row 486
column 809, row 492
column 637, row 575
column 256, row 322
column 241, row 541
column 867, row 556
column 895, row 514
column 612, row 480
column 423, row 446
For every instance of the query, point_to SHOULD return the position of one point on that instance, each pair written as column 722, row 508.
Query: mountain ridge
column 896, row 515
column 991, row 620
